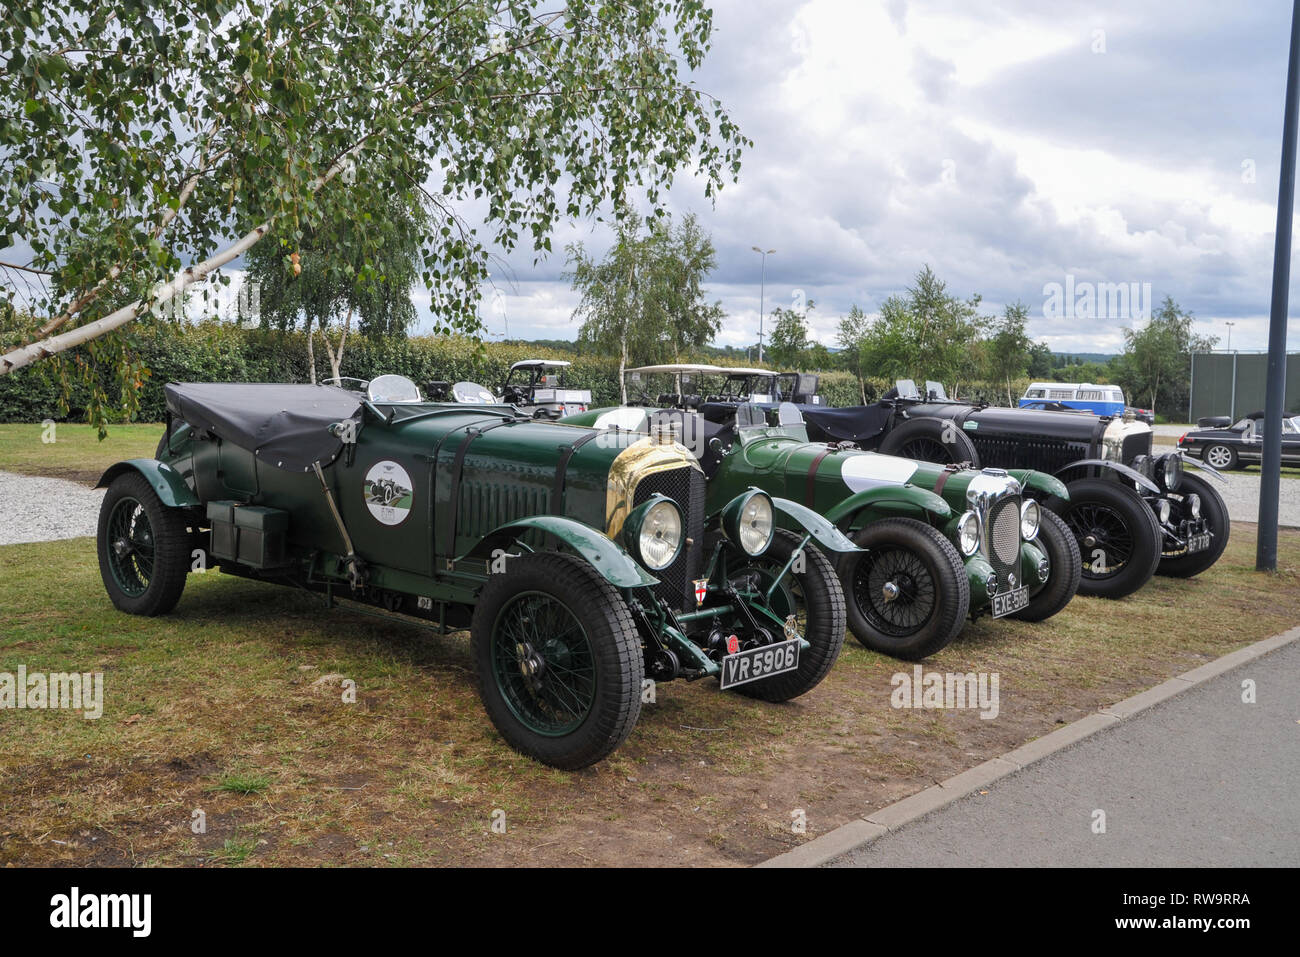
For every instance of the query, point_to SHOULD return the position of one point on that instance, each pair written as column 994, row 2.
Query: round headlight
column 1162, row 510
column 660, row 537
column 991, row 583
column 1029, row 519
column 1194, row 505
column 1171, row 471
column 968, row 533
column 755, row 526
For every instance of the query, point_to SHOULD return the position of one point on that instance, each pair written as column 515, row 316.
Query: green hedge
column 221, row 352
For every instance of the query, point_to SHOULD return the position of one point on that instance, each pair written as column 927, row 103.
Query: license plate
column 1008, row 602
column 758, row 663
column 1198, row 543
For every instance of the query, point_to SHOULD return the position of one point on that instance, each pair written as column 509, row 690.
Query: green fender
column 903, row 501
column 1048, row 485
column 164, row 480
column 609, row 559
column 823, row 531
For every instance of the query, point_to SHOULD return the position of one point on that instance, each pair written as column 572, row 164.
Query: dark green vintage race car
column 580, row 566
column 940, row 543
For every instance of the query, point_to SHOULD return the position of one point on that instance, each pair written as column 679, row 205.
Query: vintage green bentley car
column 940, row 543
column 581, row 567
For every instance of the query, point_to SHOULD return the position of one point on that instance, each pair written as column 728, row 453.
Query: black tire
column 1215, row 513
column 930, row 440
column 592, row 702
column 819, row 600
column 1118, row 536
column 1224, row 454
column 934, row 599
column 143, row 547
column 1062, row 550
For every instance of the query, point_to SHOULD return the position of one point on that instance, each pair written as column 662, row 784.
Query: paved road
column 1200, row 780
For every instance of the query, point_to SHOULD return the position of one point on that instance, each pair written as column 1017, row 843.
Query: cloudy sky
column 1009, row 144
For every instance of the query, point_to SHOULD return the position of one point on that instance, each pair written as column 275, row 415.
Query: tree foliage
column 644, row 300
column 1007, row 350
column 926, row 333
column 1155, row 368
column 145, row 145
column 790, row 344
column 314, row 284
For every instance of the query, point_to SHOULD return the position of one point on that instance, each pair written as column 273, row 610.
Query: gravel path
column 35, row 509
column 1241, row 494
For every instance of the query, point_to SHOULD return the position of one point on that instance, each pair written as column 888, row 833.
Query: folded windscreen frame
column 285, row 425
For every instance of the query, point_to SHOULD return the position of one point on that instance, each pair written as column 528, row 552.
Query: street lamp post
column 1229, row 325
column 762, row 288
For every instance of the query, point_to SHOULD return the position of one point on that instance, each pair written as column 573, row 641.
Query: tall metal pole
column 1274, row 393
column 762, row 288
column 1229, row 325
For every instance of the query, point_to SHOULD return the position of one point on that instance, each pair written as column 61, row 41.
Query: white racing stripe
column 870, row 470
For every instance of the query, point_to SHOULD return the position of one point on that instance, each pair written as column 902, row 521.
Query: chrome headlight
column 748, row 522
column 1029, row 519
column 1193, row 505
column 968, row 533
column 1169, row 471
column 1044, row 569
column 1162, row 510
column 653, row 533
column 991, row 583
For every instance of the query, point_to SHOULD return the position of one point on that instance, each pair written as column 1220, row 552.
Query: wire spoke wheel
column 131, row 547
column 926, row 450
column 543, row 664
column 1105, row 540
column 895, row 590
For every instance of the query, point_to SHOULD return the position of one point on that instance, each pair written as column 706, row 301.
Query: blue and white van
column 1098, row 399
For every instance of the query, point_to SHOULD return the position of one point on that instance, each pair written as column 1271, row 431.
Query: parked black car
column 1224, row 446
column 1133, row 513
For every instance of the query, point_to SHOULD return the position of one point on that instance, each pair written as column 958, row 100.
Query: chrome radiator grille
column 1004, row 537
column 685, row 486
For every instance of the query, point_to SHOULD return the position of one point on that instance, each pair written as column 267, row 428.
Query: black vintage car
column 1234, row 445
column 1133, row 513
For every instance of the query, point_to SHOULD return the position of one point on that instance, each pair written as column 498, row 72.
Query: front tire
column 816, row 600
column 1118, row 536
column 143, row 547
column 1215, row 513
column 559, row 661
column 1063, row 553
column 908, row 597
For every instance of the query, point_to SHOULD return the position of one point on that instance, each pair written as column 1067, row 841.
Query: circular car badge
column 389, row 492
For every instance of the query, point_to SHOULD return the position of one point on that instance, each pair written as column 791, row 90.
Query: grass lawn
column 75, row 452
column 233, row 706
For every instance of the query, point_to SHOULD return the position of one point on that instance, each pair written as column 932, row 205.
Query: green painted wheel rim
column 130, row 544
column 543, row 664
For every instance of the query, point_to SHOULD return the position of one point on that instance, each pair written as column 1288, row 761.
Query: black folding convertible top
column 284, row 425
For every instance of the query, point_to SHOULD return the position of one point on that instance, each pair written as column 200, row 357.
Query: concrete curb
column 873, row 824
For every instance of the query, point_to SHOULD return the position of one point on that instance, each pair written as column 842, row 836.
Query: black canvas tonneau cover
column 285, row 425
column 858, row 423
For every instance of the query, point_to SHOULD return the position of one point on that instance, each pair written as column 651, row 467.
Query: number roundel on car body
column 861, row 472
column 388, row 492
